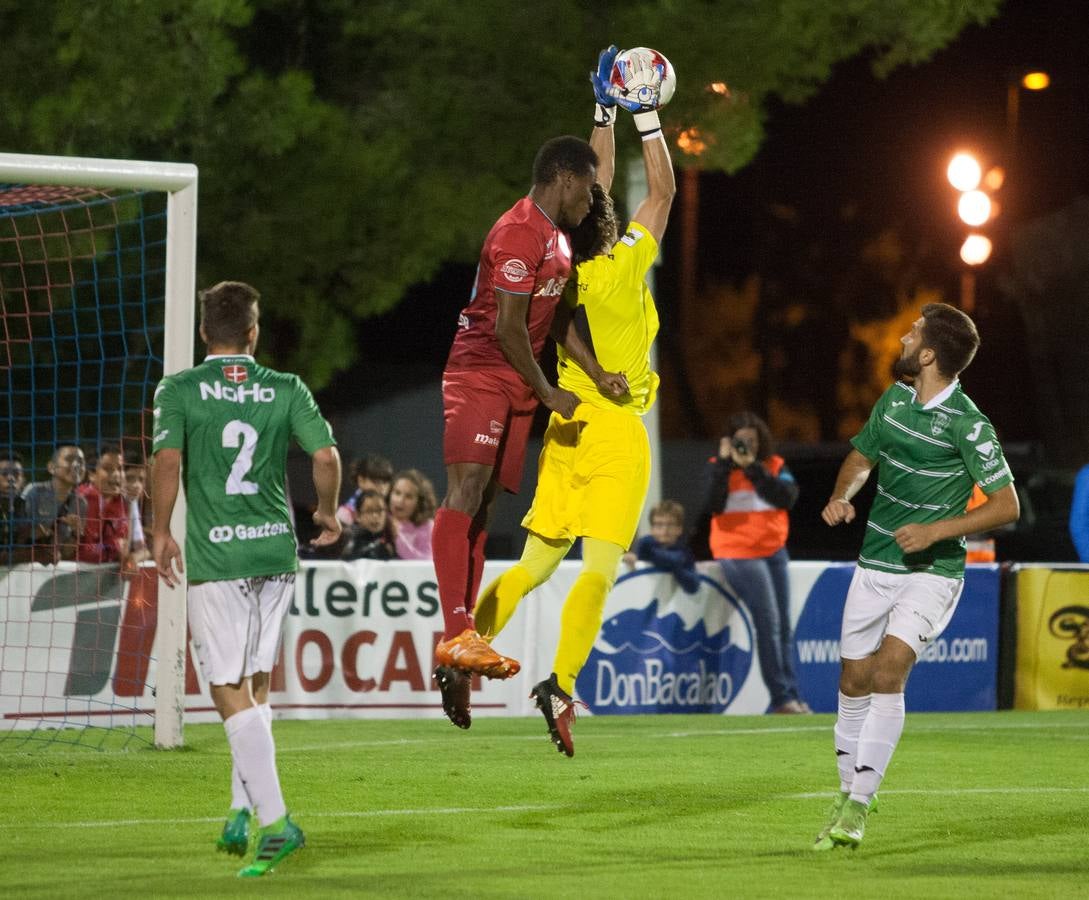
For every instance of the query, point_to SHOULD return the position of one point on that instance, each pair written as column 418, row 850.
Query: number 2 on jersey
column 237, row 433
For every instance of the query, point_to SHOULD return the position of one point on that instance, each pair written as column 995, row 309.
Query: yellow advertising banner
column 1052, row 639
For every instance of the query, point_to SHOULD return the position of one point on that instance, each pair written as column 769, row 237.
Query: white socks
column 254, row 756
column 852, row 716
column 876, row 743
column 239, row 798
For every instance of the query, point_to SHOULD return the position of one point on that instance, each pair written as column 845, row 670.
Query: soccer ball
column 634, row 71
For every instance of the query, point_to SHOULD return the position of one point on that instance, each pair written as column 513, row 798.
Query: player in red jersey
column 491, row 387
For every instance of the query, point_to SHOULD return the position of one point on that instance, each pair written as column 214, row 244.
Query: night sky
column 879, row 146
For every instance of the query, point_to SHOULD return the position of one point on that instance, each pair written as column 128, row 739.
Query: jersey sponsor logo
column 514, row 270
column 224, row 534
column 988, row 449
column 552, row 288
column 486, row 439
column 989, row 464
column 974, row 434
column 898, row 402
column 495, row 427
column 939, row 423
column 256, row 393
column 161, row 436
column 632, row 237
column 236, row 374
column 995, row 476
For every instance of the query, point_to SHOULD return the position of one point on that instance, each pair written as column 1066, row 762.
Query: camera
column 741, row 447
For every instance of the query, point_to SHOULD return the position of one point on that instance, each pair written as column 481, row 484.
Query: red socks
column 453, row 555
column 479, row 539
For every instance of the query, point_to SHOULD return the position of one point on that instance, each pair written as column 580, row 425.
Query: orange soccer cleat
column 472, row 653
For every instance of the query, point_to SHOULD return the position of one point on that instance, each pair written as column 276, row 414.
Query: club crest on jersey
column 495, row 426
column 236, row 374
column 939, row 423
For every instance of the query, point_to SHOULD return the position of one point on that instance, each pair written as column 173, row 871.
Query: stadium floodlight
column 976, row 249
column 964, row 172
column 97, row 284
column 974, row 207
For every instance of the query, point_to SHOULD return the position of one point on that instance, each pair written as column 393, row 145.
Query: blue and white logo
column 661, row 650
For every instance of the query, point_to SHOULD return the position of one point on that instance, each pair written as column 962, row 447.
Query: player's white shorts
column 236, row 625
column 914, row 607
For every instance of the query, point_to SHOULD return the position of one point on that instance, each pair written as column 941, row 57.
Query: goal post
column 178, row 181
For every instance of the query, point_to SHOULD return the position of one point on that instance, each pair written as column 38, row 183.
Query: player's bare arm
column 853, row 473
column 165, row 477
column 1000, row 508
column 565, row 332
column 603, row 142
column 326, row 471
column 653, row 212
column 513, row 337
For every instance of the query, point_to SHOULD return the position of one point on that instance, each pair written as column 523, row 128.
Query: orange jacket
column 749, row 527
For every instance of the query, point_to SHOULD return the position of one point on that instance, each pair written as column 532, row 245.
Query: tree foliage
column 346, row 149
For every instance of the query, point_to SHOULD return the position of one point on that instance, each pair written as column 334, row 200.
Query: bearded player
column 230, row 420
column 492, row 385
column 595, row 466
column 931, row 445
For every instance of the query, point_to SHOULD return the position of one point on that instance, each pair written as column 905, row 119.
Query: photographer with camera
column 750, row 491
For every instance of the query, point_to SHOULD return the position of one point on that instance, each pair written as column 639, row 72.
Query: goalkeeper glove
column 605, row 112
column 644, row 103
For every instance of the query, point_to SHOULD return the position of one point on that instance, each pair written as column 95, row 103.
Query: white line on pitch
column 946, row 792
column 343, row 814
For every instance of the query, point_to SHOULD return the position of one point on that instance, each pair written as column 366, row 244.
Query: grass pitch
column 975, row 805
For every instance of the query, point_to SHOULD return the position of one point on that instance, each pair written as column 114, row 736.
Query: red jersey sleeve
column 517, row 253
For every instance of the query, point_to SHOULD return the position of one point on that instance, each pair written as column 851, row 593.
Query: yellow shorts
column 592, row 476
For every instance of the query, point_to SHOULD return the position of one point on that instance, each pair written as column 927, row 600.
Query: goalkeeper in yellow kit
column 595, row 466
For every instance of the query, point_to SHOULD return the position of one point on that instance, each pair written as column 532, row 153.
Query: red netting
column 33, row 194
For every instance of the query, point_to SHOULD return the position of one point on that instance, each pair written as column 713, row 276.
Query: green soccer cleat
column 235, row 839
column 274, row 843
column 851, row 827
column 824, row 840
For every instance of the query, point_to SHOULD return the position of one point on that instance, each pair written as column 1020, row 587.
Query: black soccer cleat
column 455, row 685
column 558, row 709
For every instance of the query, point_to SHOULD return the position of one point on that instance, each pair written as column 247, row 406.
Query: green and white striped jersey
column 928, row 457
column 232, row 420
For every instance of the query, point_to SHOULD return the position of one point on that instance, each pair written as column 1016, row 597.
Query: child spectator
column 412, row 507
column 371, row 536
column 105, row 536
column 55, row 508
column 665, row 547
column 135, row 494
column 14, row 528
column 369, row 473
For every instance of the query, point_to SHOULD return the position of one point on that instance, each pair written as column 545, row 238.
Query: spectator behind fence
column 55, row 509
column 369, row 473
column 371, row 536
column 1079, row 514
column 665, row 546
column 135, row 493
column 14, row 528
column 412, row 507
column 750, row 491
column 105, row 537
